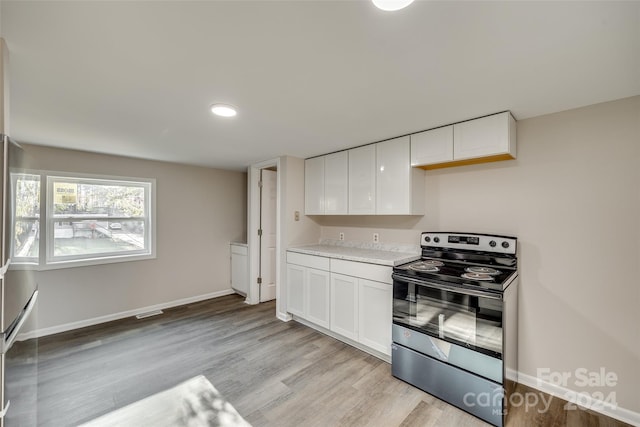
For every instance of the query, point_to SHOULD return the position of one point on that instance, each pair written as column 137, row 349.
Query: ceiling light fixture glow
column 391, row 5
column 224, row 110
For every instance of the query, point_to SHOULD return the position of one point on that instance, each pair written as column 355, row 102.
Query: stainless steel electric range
column 455, row 321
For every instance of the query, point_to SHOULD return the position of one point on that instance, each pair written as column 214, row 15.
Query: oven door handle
column 5, row 409
column 441, row 286
column 6, row 345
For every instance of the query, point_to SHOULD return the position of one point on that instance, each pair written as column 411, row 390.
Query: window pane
column 27, row 241
column 72, row 197
column 91, row 237
column 26, row 214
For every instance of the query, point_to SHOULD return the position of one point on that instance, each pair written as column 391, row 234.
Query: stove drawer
column 474, row 394
column 453, row 354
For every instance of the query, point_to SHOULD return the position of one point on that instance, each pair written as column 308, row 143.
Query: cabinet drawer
column 317, row 262
column 375, row 272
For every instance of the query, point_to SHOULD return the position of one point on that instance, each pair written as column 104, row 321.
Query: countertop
column 382, row 254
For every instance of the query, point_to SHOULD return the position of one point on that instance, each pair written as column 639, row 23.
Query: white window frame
column 46, row 258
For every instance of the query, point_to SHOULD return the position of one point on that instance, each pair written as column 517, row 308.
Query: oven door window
column 468, row 320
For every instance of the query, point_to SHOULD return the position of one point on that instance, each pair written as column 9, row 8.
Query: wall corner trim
column 285, row 317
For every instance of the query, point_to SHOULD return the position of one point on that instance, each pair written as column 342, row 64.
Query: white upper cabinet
column 325, row 184
column 432, row 146
column 491, row 136
column 399, row 187
column 336, row 176
column 314, row 186
column 362, row 180
column 482, row 140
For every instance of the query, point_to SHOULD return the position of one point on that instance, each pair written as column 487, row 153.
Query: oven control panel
column 470, row 241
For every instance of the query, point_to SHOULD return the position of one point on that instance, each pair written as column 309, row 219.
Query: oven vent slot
column 149, row 314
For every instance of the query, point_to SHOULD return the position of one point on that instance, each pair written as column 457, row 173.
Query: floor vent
column 149, row 314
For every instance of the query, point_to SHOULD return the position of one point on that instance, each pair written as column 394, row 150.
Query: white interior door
column 268, row 202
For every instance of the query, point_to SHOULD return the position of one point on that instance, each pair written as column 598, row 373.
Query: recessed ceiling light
column 224, row 110
column 391, row 5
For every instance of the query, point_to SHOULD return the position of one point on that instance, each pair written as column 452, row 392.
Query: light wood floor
column 273, row 373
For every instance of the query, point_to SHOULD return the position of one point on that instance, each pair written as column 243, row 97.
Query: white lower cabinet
column 308, row 288
column 374, row 315
column 344, row 305
column 361, row 311
column 351, row 299
column 317, row 297
column 239, row 268
column 295, row 289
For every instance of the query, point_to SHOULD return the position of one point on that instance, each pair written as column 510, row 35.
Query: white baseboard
column 582, row 399
column 116, row 316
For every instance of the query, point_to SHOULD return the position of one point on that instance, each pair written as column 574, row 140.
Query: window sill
column 57, row 265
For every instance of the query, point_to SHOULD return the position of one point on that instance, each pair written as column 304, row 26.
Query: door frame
column 253, row 223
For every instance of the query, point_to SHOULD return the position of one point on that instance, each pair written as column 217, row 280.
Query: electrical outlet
column 376, row 238
column 341, row 236
column 296, row 216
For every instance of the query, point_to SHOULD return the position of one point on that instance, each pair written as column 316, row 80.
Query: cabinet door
column 336, row 170
column 314, row 186
column 317, row 297
column 374, row 324
column 483, row 137
column 239, row 269
column 362, row 180
column 432, row 146
column 296, row 289
column 393, row 177
column 344, row 305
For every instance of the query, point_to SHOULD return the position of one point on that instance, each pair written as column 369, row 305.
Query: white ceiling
column 308, row 77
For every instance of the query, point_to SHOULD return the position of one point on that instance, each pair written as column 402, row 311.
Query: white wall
column 305, row 230
column 199, row 211
column 573, row 200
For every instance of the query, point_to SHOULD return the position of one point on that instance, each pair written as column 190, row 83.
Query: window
column 86, row 220
column 26, row 243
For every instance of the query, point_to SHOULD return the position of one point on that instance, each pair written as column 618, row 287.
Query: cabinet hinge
column 259, row 280
column 260, row 184
column 260, row 232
